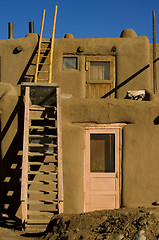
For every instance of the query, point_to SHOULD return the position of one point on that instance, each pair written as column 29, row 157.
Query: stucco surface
column 140, row 154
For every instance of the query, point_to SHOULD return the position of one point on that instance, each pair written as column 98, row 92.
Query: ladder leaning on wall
column 44, row 59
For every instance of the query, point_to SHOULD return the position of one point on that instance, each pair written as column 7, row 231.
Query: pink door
column 101, row 169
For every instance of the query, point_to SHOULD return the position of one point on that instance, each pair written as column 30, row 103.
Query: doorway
column 102, row 167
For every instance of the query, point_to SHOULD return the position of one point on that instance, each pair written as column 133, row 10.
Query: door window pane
column 102, row 152
column 99, row 70
column 69, row 62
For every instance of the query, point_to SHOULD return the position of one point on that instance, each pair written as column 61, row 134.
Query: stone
column 119, row 237
column 140, row 235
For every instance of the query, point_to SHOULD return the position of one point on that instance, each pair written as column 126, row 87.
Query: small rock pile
column 126, row 224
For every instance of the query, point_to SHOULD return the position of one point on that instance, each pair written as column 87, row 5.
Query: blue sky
column 82, row 18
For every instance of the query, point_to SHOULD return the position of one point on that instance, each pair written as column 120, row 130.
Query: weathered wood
column 59, row 144
column 40, row 39
column 52, row 45
column 154, row 56
column 25, row 157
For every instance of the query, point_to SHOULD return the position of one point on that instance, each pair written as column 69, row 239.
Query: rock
column 119, row 237
column 140, row 235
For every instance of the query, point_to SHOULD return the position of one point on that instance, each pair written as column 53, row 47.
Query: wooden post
column 39, row 47
column 154, row 56
column 59, row 147
column 24, row 183
column 52, row 45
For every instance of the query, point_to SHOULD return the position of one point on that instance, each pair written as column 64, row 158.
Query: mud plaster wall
column 132, row 63
column 140, row 144
column 132, row 57
column 11, row 140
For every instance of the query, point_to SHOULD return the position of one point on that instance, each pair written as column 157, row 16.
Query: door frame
column 98, row 129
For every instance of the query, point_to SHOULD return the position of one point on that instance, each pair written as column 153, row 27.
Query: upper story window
column 70, row 63
column 99, row 70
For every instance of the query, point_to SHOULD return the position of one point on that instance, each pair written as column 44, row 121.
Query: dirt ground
column 126, row 224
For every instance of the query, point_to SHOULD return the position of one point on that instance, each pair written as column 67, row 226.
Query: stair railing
column 24, row 181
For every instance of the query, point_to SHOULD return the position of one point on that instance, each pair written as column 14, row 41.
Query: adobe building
column 107, row 117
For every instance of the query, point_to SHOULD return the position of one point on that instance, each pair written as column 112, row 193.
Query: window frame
column 110, row 59
column 70, row 69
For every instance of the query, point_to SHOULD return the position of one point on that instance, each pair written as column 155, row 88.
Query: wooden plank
column 52, row 45
column 25, row 157
column 38, row 57
column 59, row 147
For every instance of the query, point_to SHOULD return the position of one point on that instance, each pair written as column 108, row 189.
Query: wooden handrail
column 24, row 182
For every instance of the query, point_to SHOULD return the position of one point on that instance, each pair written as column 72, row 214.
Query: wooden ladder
column 41, row 188
column 43, row 71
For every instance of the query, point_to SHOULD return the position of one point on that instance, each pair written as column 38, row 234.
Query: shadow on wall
column 11, row 165
column 30, row 62
column 114, row 90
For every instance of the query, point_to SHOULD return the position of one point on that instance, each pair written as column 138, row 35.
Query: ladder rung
column 44, row 56
column 44, row 63
column 43, row 71
column 45, row 48
column 46, row 41
column 43, row 79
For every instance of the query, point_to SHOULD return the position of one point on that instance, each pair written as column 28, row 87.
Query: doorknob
column 117, row 175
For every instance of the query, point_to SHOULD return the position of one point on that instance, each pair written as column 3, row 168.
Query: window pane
column 69, row 63
column 99, row 70
column 102, row 151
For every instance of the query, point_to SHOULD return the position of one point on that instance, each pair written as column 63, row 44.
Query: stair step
column 38, row 221
column 43, row 183
column 42, row 145
column 42, row 173
column 42, row 136
column 47, row 192
column 41, row 163
column 38, row 213
column 42, row 119
column 32, row 154
column 42, row 127
column 41, row 202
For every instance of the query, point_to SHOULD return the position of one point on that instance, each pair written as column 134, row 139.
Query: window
column 70, row 63
column 102, row 152
column 99, row 70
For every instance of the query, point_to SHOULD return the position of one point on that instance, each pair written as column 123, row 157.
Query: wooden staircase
column 41, row 187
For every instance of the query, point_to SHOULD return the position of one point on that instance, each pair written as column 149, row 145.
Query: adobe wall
column 132, row 63
column 140, row 147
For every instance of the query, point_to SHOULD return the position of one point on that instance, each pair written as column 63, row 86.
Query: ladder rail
column 40, row 40
column 24, row 183
column 52, row 45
